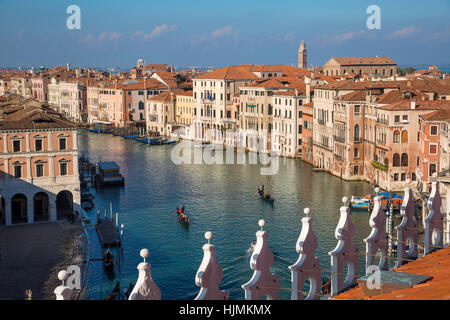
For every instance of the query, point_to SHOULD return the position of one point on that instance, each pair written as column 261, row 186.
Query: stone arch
column 396, row 160
column 64, row 204
column 41, row 207
column 19, row 209
column 404, row 136
column 404, row 160
column 396, row 136
column 356, row 133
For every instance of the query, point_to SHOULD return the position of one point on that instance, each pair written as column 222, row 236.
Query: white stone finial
column 345, row 200
column 208, row 236
column 144, row 253
column 261, row 223
column 63, row 275
column 377, row 189
column 307, row 212
column 435, row 175
column 408, row 181
column 145, row 288
column 63, row 292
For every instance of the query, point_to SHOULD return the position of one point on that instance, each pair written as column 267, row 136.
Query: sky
column 219, row 33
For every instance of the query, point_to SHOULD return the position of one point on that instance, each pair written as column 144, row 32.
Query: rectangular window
column 413, row 176
column 16, row 146
column 38, row 144
column 395, row 176
column 433, row 149
column 403, row 176
column 39, row 170
column 397, row 119
column 62, row 144
column 432, row 169
column 355, row 170
column 433, row 130
column 17, row 172
column 63, row 169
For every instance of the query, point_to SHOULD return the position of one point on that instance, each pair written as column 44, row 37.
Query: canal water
column 218, row 198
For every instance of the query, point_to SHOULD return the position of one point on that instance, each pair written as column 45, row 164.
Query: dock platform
column 107, row 233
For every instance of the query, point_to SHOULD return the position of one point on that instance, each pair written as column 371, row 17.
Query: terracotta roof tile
column 436, row 265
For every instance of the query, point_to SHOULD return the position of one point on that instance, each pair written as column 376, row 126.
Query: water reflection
column 218, row 198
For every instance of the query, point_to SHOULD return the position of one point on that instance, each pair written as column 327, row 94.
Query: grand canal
column 219, row 198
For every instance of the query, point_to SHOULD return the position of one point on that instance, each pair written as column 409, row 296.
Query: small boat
column 108, row 261
column 359, row 203
column 115, row 293
column 265, row 196
column 86, row 205
column 184, row 219
column 128, row 291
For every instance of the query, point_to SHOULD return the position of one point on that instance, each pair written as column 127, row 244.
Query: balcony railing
column 339, row 139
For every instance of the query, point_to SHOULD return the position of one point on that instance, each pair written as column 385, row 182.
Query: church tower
column 302, row 63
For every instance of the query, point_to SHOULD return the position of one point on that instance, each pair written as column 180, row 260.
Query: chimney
column 68, row 67
column 115, row 82
column 308, row 89
column 413, row 104
column 171, row 68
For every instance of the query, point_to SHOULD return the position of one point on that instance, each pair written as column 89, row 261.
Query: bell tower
column 302, row 62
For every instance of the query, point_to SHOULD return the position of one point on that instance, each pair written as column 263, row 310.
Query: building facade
column 38, row 165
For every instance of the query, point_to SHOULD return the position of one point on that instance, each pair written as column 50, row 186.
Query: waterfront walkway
column 32, row 255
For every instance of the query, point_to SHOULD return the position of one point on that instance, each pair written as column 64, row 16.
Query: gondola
column 108, row 261
column 114, row 293
column 182, row 217
column 265, row 196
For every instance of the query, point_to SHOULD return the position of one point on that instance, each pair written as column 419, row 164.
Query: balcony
column 379, row 166
column 383, row 121
column 339, row 139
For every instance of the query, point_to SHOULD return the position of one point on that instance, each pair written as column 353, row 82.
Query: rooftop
column 436, row 265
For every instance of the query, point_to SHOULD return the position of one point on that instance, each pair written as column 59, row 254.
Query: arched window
column 396, row 137
column 355, row 153
column 356, row 133
column 396, row 160
column 404, row 159
column 404, row 136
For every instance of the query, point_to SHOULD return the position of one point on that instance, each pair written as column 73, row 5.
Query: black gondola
column 182, row 217
column 265, row 196
column 114, row 293
column 108, row 261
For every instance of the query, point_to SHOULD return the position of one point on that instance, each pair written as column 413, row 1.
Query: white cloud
column 102, row 37
column 215, row 35
column 403, row 32
column 224, row 31
column 155, row 33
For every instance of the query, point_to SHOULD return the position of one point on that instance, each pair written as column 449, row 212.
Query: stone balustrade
column 307, row 270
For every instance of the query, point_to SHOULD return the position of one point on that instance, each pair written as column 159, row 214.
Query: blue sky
column 213, row 33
